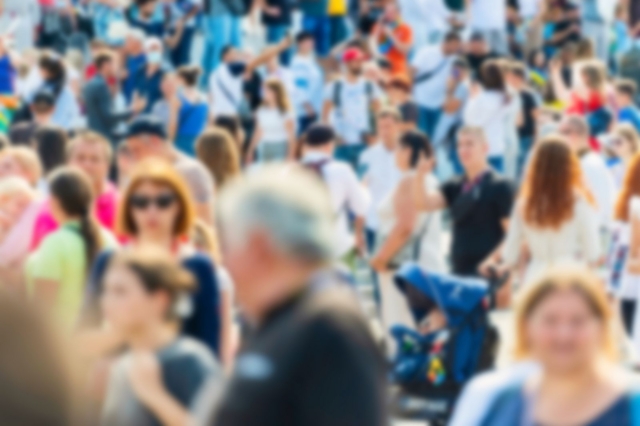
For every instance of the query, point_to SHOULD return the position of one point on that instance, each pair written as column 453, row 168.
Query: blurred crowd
column 309, row 212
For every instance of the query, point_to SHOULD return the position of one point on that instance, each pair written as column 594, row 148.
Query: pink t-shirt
column 105, row 209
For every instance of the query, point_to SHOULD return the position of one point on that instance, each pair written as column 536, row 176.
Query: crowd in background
column 194, row 195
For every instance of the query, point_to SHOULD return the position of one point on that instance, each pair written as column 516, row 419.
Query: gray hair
column 288, row 203
column 578, row 124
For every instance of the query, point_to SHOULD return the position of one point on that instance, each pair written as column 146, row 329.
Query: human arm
column 452, row 103
column 253, row 145
column 423, row 198
column 173, row 39
column 290, row 128
column 406, row 215
column 268, row 53
column 402, row 40
column 174, row 114
column 561, row 90
column 145, row 377
column 633, row 259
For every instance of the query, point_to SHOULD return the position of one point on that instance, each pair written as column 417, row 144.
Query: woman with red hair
column 554, row 217
column 625, row 263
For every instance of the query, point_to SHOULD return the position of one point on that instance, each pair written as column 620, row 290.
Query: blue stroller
column 430, row 370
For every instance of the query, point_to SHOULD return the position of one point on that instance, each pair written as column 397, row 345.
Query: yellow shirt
column 337, row 7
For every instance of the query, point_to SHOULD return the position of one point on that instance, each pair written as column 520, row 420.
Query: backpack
column 629, row 66
column 368, row 89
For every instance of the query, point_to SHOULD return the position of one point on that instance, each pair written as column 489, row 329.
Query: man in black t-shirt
column 479, row 202
column 478, row 52
column 309, row 359
column 517, row 79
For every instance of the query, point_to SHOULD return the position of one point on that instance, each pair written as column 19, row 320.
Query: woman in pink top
column 92, row 154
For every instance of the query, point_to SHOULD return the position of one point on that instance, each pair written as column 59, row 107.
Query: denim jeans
column 350, row 154
column 320, row 27
column 523, row 153
column 497, row 163
column 219, row 31
column 428, row 120
column 275, row 33
column 181, row 55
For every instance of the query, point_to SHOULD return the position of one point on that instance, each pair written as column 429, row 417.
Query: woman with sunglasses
column 156, row 210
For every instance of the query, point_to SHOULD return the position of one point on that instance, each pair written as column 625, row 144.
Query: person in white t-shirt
column 491, row 108
column 308, row 82
column 349, row 103
column 274, row 135
column 348, row 196
column 431, row 67
column 429, row 20
column 225, row 83
column 490, row 18
column 597, row 176
column 378, row 167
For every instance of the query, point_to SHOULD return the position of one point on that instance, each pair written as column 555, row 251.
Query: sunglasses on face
column 143, row 202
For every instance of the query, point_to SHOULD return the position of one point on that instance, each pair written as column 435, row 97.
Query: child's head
column 625, row 92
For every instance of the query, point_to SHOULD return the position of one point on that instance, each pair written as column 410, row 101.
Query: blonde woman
column 274, row 137
column 564, row 322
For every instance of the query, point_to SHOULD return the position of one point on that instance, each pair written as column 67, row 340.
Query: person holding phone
column 395, row 39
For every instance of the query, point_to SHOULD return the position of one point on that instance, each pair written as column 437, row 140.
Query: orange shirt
column 399, row 61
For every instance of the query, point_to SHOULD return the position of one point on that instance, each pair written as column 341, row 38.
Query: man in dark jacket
column 98, row 99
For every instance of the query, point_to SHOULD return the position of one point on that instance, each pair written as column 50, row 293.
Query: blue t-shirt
column 630, row 115
column 7, row 75
column 133, row 64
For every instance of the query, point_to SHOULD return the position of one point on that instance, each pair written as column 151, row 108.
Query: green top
column 61, row 257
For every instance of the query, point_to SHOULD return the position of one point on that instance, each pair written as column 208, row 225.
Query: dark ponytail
column 72, row 189
column 419, row 145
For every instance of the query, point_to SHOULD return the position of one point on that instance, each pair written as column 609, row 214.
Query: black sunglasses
column 143, row 202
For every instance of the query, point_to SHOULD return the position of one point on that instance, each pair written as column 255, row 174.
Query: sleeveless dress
column 394, row 309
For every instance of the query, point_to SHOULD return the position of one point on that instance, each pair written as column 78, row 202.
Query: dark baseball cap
column 145, row 125
column 44, row 97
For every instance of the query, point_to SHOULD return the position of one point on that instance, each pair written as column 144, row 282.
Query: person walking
column 279, row 221
column 580, row 381
column 554, row 216
column 479, row 201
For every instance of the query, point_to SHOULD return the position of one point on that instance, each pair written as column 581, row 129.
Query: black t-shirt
column 476, row 61
column 409, row 112
column 529, row 105
column 285, row 13
column 481, row 231
column 312, row 363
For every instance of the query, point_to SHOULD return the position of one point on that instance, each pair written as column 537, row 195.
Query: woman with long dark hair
column 57, row 271
column 405, row 233
column 66, row 111
column 492, row 109
column 554, row 216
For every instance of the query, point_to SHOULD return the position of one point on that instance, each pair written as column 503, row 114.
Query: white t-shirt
column 353, row 117
column 600, row 182
column 225, row 91
column 347, row 195
column 307, row 80
column 431, row 93
column 487, row 15
column 489, row 110
column 381, row 175
column 273, row 125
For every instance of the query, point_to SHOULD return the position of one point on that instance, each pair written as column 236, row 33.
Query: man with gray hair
column 309, row 345
column 597, row 176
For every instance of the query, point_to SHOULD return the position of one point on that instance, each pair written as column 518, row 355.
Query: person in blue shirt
column 149, row 16
column 134, row 60
column 148, row 78
column 625, row 93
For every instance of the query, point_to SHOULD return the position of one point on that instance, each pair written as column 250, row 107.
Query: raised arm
column 424, row 199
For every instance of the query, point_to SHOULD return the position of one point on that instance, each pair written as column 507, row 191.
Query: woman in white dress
column 625, row 259
column 554, row 218
column 405, row 234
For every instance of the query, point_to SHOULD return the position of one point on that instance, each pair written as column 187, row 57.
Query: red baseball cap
column 353, row 54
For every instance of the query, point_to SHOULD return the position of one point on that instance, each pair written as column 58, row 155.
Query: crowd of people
column 205, row 206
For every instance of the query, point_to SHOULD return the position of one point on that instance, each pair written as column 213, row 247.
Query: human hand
column 378, row 264
column 145, row 376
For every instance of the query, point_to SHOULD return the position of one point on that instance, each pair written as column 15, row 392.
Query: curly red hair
column 553, row 180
